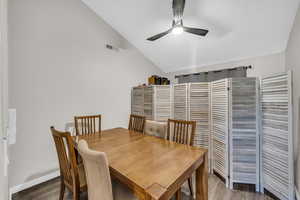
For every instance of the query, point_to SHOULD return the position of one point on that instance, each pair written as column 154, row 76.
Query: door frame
column 4, row 191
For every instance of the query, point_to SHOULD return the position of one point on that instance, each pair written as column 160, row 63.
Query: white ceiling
column 238, row 29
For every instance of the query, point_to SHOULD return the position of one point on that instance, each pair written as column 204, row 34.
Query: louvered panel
column 219, row 127
column 243, row 135
column 148, row 102
column 180, row 102
column 137, row 101
column 162, row 102
column 199, row 104
column 277, row 143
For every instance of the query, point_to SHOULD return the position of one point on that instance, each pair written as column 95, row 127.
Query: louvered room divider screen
column 227, row 113
column 243, row 131
column 219, row 128
column 277, row 143
column 180, row 101
column 199, row 104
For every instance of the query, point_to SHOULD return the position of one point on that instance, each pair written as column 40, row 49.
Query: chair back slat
column 66, row 156
column 87, row 124
column 137, row 123
column 181, row 131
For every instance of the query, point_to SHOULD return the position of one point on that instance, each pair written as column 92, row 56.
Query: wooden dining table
column 153, row 168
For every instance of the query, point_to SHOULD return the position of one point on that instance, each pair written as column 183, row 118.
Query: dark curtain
column 213, row 75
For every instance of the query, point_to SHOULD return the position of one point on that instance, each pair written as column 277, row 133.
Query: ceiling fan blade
column 178, row 8
column 160, row 35
column 196, row 31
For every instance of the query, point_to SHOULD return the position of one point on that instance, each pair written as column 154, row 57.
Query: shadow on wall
column 36, row 176
column 297, row 163
column 70, row 127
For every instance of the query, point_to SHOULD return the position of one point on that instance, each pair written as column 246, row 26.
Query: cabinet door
column 137, row 101
column 162, row 103
column 148, row 102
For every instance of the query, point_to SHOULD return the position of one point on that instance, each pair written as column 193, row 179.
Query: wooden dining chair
column 183, row 132
column 137, row 123
column 87, row 124
column 98, row 176
column 72, row 175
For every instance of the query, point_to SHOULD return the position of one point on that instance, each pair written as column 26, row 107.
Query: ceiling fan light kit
column 177, row 24
column 177, row 30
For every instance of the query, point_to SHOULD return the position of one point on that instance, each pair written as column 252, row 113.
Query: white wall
column 59, row 67
column 261, row 66
column 293, row 63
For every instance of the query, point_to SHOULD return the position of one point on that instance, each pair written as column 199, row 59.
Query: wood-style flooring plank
column 216, row 191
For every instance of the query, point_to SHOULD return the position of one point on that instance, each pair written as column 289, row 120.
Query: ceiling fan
column 177, row 24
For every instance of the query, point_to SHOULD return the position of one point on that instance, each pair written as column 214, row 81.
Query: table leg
column 148, row 197
column 178, row 194
column 202, row 180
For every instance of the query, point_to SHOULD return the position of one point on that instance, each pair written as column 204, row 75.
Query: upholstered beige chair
column 98, row 176
column 155, row 128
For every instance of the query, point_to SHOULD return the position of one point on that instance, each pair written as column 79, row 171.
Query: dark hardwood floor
column 217, row 191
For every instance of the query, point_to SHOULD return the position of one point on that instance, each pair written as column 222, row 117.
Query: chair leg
column 191, row 186
column 62, row 190
column 178, row 194
column 76, row 193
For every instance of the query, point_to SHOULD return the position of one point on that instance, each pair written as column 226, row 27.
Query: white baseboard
column 297, row 194
column 32, row 183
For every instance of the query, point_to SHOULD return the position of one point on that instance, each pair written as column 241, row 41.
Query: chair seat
column 121, row 191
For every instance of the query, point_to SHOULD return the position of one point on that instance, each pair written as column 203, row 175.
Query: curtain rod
column 214, row 71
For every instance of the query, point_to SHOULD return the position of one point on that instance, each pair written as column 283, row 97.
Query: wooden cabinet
column 153, row 102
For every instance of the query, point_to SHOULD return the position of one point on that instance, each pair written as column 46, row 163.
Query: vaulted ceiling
column 238, row 29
